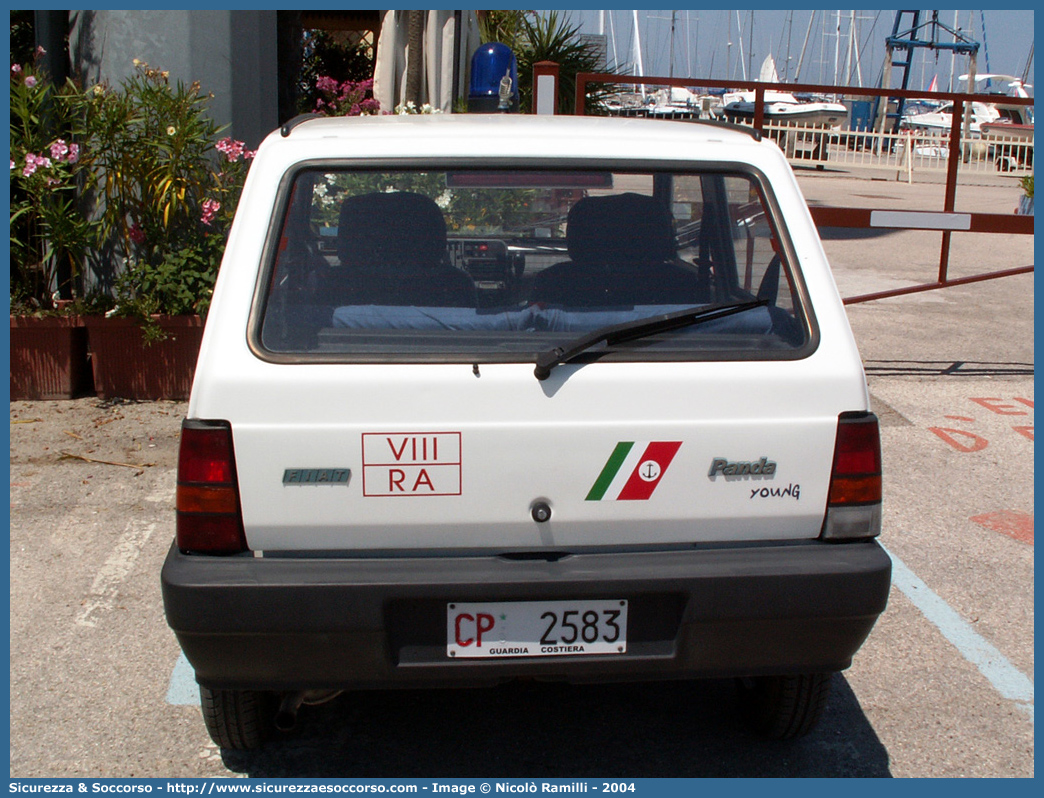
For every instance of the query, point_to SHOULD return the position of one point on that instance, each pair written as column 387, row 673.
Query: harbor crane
column 909, row 33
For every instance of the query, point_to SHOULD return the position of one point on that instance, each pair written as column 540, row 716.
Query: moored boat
column 990, row 118
column 785, row 107
column 782, row 106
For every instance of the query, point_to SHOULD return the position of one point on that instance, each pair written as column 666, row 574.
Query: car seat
column 622, row 253
column 392, row 247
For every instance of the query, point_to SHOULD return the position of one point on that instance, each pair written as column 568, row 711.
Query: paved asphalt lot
column 943, row 687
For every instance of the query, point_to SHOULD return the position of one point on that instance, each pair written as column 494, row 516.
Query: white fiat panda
column 492, row 397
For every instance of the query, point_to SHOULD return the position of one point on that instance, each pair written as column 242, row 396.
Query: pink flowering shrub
column 210, row 209
column 351, row 98
column 166, row 182
column 232, row 150
column 34, row 162
column 50, row 233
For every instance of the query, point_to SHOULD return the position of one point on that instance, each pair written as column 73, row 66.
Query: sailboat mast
column 858, row 60
column 638, row 49
column 690, row 46
column 804, row 44
column 739, row 35
column 750, row 49
column 848, row 50
column 788, row 30
column 790, row 35
column 837, row 44
column 670, row 66
column 728, row 47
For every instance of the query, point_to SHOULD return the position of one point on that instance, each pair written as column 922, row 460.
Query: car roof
column 514, row 135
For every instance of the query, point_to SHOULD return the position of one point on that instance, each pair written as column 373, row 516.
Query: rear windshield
column 461, row 265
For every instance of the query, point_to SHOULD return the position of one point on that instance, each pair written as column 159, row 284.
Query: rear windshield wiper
column 631, row 330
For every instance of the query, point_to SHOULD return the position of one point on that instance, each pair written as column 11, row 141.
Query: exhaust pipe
column 286, row 715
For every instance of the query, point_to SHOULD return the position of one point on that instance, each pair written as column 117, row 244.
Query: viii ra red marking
column 412, row 464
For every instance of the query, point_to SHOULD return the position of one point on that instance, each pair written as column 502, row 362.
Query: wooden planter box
column 125, row 366
column 48, row 357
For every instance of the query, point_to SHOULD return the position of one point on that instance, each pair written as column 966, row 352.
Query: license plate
column 536, row 629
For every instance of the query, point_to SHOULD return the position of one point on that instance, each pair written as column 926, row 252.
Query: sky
column 701, row 43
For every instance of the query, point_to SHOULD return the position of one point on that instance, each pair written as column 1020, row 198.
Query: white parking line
column 166, row 493
column 102, row 596
column 1006, row 679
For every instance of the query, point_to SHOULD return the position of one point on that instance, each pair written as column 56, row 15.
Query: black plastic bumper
column 291, row 623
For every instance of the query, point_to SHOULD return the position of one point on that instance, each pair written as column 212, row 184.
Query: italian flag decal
column 633, row 471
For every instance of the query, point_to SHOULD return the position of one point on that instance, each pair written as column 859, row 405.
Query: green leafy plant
column 153, row 146
column 504, row 27
column 1027, row 185
column 169, row 189
column 178, row 284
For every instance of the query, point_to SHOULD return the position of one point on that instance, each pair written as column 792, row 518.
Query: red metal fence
column 947, row 220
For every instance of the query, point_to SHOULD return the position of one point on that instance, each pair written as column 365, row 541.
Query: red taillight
column 206, row 454
column 854, row 501
column 209, row 517
column 856, row 476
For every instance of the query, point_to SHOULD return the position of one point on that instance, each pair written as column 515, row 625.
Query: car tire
column 783, row 707
column 237, row 720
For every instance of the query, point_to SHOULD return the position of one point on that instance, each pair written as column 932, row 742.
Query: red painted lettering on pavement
column 996, row 405
column 974, row 443
column 1012, row 523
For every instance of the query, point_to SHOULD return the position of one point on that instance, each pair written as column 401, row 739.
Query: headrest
column 394, row 230
column 623, row 228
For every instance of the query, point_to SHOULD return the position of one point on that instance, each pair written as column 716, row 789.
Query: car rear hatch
column 388, row 402
column 438, row 457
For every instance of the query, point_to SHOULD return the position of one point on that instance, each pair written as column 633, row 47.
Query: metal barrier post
column 545, row 87
column 950, row 201
column 759, row 109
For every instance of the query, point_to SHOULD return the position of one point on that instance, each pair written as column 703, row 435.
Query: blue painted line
column 183, row 688
column 1006, row 679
